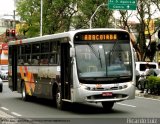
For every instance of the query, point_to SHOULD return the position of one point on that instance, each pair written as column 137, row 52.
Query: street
column 11, row 103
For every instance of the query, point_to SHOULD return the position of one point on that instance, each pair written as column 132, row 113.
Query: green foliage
column 61, row 15
column 29, row 11
column 57, row 15
column 153, row 84
column 86, row 8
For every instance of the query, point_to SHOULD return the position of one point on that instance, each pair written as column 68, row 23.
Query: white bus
column 90, row 65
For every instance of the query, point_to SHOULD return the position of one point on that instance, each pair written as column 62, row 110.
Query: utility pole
column 41, row 25
column 14, row 15
column 14, row 19
column 90, row 21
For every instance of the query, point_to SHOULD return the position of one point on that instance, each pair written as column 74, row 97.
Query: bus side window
column 45, row 47
column 35, row 59
column 53, row 47
column 44, row 59
column 27, row 60
column 20, row 62
column 53, row 59
column 36, row 48
column 35, row 62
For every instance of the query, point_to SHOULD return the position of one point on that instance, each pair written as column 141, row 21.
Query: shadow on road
column 76, row 108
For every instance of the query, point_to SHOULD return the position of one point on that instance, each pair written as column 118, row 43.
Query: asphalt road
column 11, row 103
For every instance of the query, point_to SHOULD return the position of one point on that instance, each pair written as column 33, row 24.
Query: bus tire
column 59, row 102
column 107, row 105
column 25, row 96
column 1, row 87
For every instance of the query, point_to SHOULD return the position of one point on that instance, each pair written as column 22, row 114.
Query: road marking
column 148, row 98
column 16, row 114
column 126, row 104
column 4, row 108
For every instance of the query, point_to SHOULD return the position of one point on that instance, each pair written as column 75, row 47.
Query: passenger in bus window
column 20, row 62
column 26, row 63
column 45, row 61
column 29, row 61
column 35, row 62
column 41, row 61
column 51, row 61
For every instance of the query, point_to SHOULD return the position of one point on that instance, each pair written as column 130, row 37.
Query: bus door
column 66, row 80
column 13, row 80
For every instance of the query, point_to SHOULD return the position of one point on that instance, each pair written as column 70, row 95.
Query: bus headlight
column 123, row 86
column 85, row 87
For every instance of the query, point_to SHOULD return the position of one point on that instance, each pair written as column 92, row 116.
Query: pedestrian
column 137, row 77
column 144, row 80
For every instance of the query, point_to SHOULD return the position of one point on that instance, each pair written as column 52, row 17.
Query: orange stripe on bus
column 29, row 79
column 21, row 72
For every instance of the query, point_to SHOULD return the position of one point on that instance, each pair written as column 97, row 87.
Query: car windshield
column 104, row 60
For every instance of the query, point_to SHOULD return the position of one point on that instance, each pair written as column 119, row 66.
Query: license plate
column 107, row 94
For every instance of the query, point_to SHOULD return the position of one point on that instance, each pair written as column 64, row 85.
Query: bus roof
column 60, row 35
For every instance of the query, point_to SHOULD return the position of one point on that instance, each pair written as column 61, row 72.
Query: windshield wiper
column 112, row 50
column 114, row 46
column 95, row 53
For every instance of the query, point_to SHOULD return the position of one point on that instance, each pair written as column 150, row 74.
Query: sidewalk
column 146, row 95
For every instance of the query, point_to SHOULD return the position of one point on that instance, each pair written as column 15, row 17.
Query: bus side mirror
column 72, row 52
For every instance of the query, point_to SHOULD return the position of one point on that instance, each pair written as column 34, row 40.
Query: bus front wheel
column 59, row 102
column 107, row 105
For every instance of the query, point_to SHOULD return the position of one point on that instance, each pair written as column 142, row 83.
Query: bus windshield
column 104, row 60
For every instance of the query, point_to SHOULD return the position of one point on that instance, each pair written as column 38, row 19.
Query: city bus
column 80, row 66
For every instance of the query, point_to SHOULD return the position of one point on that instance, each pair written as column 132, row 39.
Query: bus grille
column 100, row 96
column 105, row 89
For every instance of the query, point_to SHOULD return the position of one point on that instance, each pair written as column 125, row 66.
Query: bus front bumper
column 83, row 95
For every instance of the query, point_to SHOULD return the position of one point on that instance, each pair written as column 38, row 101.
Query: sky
column 6, row 7
column 134, row 14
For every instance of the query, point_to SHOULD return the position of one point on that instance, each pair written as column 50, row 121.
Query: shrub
column 153, row 84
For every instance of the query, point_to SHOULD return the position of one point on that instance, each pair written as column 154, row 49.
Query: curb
column 146, row 95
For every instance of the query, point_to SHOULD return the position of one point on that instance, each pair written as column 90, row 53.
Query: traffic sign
column 122, row 4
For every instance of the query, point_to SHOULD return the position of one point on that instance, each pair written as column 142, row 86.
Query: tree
column 29, row 11
column 145, row 12
column 57, row 15
column 125, row 24
column 60, row 16
column 102, row 19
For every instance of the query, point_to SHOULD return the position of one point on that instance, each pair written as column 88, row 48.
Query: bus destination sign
column 99, row 37
column 103, row 36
